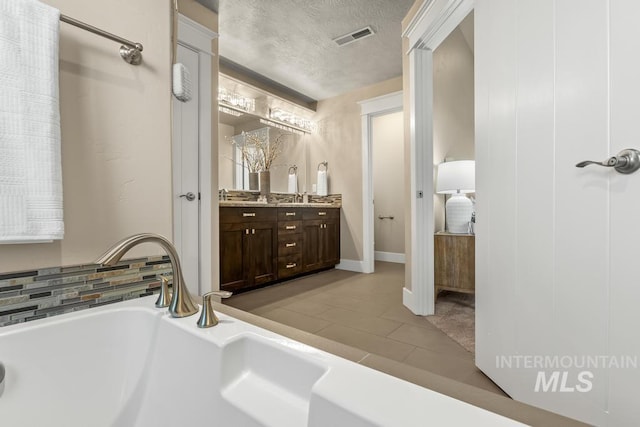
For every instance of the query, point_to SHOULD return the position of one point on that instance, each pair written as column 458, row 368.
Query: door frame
column 370, row 108
column 198, row 38
column 433, row 22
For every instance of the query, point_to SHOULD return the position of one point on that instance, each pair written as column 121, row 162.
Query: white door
column 557, row 277
column 186, row 192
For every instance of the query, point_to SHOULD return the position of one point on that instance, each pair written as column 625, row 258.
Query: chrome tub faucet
column 181, row 304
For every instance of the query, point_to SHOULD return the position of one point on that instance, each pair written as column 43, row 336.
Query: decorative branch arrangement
column 258, row 152
column 251, row 155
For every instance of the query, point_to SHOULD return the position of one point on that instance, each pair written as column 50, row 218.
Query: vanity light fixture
column 291, row 119
column 229, row 111
column 280, row 126
column 236, row 101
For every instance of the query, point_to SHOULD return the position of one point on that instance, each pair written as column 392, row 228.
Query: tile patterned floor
column 365, row 311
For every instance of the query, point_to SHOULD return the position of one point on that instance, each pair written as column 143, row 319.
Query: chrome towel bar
column 130, row 51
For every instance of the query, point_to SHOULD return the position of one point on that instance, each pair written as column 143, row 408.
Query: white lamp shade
column 456, row 177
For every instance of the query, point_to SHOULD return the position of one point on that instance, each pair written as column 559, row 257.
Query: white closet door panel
column 624, row 292
column 535, row 180
column 495, row 289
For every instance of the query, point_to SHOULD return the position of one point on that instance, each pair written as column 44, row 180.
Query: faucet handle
column 164, row 297
column 208, row 317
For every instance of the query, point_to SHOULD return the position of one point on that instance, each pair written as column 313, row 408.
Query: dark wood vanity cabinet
column 321, row 238
column 289, row 242
column 264, row 244
column 248, row 247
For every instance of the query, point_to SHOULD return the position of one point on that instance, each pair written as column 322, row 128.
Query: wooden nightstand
column 454, row 262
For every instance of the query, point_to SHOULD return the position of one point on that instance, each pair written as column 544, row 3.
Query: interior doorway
column 191, row 153
column 432, row 24
column 371, row 108
column 387, row 144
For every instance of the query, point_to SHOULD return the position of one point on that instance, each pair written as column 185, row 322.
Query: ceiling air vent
column 353, row 36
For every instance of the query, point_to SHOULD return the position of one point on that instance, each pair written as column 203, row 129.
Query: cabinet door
column 443, row 268
column 311, row 255
column 330, row 242
column 454, row 263
column 464, row 256
column 263, row 250
column 233, row 262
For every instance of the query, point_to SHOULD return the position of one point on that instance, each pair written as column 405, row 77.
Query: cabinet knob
column 291, row 265
column 290, row 245
column 290, row 227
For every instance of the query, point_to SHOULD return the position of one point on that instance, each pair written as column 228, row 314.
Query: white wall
column 556, row 246
column 388, row 181
column 116, row 139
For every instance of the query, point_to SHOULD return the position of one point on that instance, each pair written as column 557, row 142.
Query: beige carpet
column 455, row 316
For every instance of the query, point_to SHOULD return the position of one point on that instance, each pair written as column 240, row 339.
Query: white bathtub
column 129, row 364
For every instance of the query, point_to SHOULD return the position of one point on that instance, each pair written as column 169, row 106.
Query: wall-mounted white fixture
column 457, row 178
column 235, row 100
column 291, row 119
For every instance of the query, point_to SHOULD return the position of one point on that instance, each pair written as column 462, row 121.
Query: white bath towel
column 321, row 185
column 292, row 183
column 30, row 160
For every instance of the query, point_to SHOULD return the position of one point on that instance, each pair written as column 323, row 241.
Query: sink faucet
column 182, row 304
column 225, row 193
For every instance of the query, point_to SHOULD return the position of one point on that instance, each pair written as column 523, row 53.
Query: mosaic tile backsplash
column 243, row 195
column 35, row 294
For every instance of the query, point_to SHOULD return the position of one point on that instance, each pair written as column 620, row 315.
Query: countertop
column 252, row 204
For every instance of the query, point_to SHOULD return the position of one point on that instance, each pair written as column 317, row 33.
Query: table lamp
column 457, row 179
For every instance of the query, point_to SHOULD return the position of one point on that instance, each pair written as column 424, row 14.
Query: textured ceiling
column 290, row 41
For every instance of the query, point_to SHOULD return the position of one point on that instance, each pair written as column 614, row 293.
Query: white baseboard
column 407, row 299
column 389, row 257
column 351, row 265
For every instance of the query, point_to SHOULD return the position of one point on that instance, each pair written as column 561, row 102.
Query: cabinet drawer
column 289, row 227
column 320, row 213
column 289, row 244
column 289, row 265
column 231, row 215
column 289, row 214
